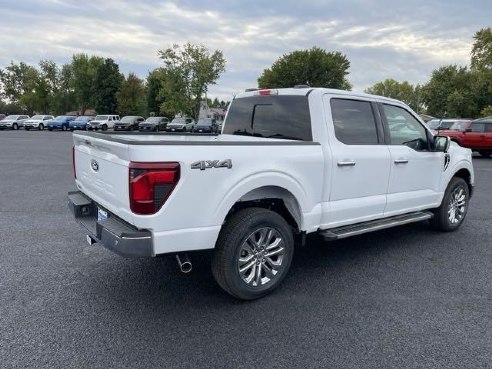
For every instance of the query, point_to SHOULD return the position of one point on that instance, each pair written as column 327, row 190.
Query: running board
column 373, row 225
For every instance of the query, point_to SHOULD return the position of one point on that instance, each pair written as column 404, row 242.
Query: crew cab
column 476, row 136
column 290, row 162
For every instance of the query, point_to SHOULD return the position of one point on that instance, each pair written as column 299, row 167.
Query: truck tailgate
column 101, row 169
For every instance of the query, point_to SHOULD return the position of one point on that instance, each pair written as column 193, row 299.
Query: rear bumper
column 113, row 233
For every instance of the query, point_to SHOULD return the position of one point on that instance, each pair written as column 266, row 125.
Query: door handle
column 346, row 163
column 401, row 161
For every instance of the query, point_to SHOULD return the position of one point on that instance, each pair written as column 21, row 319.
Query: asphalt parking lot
column 406, row 297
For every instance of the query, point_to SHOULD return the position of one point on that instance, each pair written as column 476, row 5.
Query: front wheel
column 485, row 154
column 450, row 215
column 64, row 128
column 253, row 253
column 41, row 127
column 104, row 127
column 15, row 126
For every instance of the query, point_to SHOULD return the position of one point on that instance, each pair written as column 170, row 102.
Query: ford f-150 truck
column 289, row 162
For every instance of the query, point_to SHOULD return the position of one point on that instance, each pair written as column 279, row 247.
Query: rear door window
column 488, row 127
column 283, row 117
column 477, row 127
column 354, row 122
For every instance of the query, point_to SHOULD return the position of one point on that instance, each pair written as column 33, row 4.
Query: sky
column 404, row 40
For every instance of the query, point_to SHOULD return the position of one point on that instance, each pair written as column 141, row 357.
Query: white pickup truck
column 289, row 162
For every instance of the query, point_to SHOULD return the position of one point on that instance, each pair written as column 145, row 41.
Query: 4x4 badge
column 208, row 164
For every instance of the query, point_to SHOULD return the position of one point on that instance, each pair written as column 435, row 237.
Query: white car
column 37, row 122
column 290, row 162
column 103, row 122
column 13, row 121
column 180, row 124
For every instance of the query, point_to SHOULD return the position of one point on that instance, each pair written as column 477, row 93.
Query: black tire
column 64, row 127
column 441, row 220
column 485, row 154
column 15, row 126
column 50, row 129
column 157, row 128
column 27, row 129
column 230, row 245
column 104, row 127
column 41, row 127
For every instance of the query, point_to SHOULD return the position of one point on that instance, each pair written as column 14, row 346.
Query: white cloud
column 405, row 41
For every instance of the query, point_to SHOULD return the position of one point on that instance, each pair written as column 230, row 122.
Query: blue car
column 80, row 122
column 60, row 122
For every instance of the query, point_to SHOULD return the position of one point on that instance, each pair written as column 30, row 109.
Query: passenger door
column 360, row 165
column 415, row 170
column 488, row 136
column 476, row 137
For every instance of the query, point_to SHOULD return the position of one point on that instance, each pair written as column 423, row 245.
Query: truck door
column 415, row 171
column 476, row 137
column 360, row 162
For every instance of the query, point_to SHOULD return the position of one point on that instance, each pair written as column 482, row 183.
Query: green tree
column 107, row 82
column 402, row 91
column 450, row 93
column 19, row 83
column 189, row 70
column 153, row 88
column 131, row 96
column 314, row 67
column 83, row 71
column 487, row 111
column 481, row 54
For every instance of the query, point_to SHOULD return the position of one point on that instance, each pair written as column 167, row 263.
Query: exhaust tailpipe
column 184, row 263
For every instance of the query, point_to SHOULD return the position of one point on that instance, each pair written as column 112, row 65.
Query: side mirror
column 468, row 130
column 441, row 143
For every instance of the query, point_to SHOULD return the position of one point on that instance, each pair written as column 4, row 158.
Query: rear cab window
column 273, row 116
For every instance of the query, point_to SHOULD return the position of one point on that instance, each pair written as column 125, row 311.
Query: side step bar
column 373, row 225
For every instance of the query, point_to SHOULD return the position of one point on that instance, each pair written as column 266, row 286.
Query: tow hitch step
column 373, row 225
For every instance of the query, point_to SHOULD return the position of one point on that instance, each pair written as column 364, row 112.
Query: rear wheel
column 450, row 215
column 253, row 253
column 485, row 154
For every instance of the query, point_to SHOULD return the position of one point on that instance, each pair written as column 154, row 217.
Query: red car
column 477, row 135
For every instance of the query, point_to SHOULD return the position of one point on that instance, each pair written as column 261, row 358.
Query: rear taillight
column 73, row 162
column 150, row 185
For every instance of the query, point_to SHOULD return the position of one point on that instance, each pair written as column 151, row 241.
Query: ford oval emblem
column 94, row 165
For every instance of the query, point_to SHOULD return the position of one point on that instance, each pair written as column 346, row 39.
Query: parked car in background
column 444, row 124
column 61, row 122
column 154, row 124
column 477, row 137
column 37, row 122
column 2, row 116
column 206, row 125
column 103, row 122
column 13, row 121
column 80, row 122
column 180, row 124
column 460, row 125
column 128, row 123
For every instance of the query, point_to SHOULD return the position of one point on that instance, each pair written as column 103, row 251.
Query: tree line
column 188, row 70
column 95, row 82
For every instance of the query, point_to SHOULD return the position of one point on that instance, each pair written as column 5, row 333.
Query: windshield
column 13, row 117
column 204, row 122
column 459, row 126
column 446, row 124
column 38, row 117
column 127, row 119
column 101, row 117
column 61, row 117
column 153, row 120
column 179, row 120
column 81, row 119
column 434, row 123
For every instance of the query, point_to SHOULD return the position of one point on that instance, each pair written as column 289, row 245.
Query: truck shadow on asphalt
column 158, row 282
